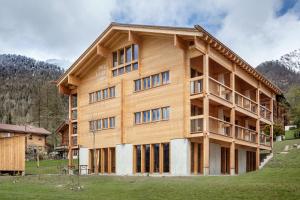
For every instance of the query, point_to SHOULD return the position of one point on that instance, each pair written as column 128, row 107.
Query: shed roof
column 23, row 129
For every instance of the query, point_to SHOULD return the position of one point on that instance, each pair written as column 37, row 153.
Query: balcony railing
column 196, row 124
column 265, row 139
column 196, row 85
column 245, row 102
column 242, row 133
column 265, row 113
column 74, row 114
column 74, row 140
column 220, row 90
column 221, row 127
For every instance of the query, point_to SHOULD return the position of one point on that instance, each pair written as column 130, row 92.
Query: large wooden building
column 166, row 100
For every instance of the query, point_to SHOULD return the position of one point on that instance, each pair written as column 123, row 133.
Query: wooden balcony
column 196, row 124
column 245, row 134
column 265, row 140
column 265, row 113
column 196, row 85
column 220, row 127
column 246, row 103
column 220, row 90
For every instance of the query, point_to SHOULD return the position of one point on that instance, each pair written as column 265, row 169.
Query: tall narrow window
column 146, row 116
column 146, row 83
column 137, row 118
column 99, row 124
column 115, row 59
column 115, row 72
column 92, row 127
column 91, row 97
column 121, row 71
column 156, row 157
column 165, row 113
column 121, row 61
column 138, row 158
column 105, row 160
column 156, row 114
column 112, row 122
column 127, row 68
column 135, row 52
column 128, row 54
column 137, row 85
column 155, row 80
column 105, row 123
column 74, row 100
column 147, row 158
column 112, row 92
column 113, row 159
column 105, row 93
column 165, row 77
column 166, row 157
column 99, row 95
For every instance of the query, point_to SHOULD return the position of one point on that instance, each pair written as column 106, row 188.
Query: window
column 156, row 157
column 115, row 72
column 138, row 158
column 74, row 128
column 105, row 123
column 74, row 100
column 147, row 158
column 91, row 97
column 165, row 77
column 121, row 60
column 112, row 122
column 105, row 94
column 30, row 137
column 112, row 92
column 146, row 83
column 135, row 66
column 137, row 85
column 155, row 80
column 128, row 54
column 166, row 157
column 165, row 113
column 99, row 95
column 125, row 60
column 155, row 114
column 137, row 118
column 135, row 52
column 92, row 125
column 115, row 59
column 146, row 116
column 127, row 68
column 99, row 122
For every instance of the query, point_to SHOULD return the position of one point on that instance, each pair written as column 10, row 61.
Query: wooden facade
column 12, row 154
column 182, row 83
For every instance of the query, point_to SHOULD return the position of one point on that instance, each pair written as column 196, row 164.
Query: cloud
column 257, row 30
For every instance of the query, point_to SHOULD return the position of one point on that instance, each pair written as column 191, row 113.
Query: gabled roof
column 23, row 129
column 197, row 31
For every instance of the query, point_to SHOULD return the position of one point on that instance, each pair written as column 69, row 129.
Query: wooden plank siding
column 12, row 153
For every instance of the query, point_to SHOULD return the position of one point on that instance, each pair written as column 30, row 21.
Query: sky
column 257, row 30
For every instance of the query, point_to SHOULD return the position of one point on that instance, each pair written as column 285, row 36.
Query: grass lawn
column 280, row 179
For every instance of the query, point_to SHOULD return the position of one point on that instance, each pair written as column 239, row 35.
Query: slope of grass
column 280, row 179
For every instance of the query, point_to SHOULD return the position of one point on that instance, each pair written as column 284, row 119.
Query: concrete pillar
column 214, row 159
column 180, row 157
column 83, row 159
column 242, row 160
column 124, row 159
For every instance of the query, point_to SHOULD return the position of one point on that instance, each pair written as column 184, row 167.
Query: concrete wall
column 84, row 158
column 214, row 159
column 180, row 157
column 124, row 159
column 242, row 160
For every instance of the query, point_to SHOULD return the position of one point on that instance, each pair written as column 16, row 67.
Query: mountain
column 284, row 72
column 59, row 62
column 28, row 93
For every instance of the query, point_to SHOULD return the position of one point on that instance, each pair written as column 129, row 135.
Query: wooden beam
column 64, row 90
column 161, row 158
column 180, row 43
column 72, row 80
column 102, row 51
column 198, row 45
column 134, row 38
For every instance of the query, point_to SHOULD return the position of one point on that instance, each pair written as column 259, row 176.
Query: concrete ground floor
column 179, row 157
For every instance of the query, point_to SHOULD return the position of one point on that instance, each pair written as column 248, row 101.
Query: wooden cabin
column 166, row 100
column 13, row 144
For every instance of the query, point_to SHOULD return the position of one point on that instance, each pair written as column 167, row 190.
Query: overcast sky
column 257, row 30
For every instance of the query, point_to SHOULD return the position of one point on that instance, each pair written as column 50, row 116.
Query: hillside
column 284, row 72
column 28, row 94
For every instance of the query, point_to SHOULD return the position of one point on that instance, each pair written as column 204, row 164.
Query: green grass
column 46, row 167
column 280, row 179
